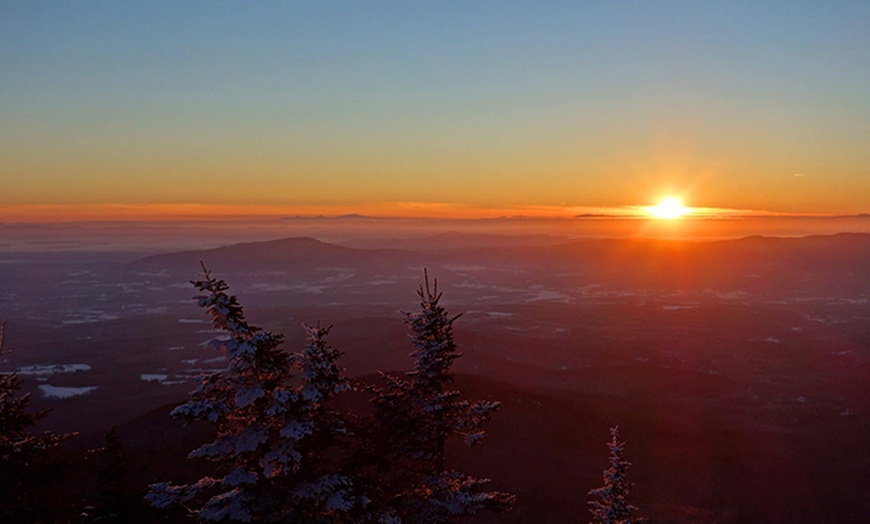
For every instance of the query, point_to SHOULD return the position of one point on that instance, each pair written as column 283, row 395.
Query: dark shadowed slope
column 689, row 464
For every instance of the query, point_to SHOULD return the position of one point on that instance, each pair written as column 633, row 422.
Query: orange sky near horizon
column 427, row 210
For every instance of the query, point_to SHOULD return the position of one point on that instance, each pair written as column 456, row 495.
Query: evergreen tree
column 611, row 506
column 118, row 499
column 25, row 458
column 274, row 431
column 416, row 416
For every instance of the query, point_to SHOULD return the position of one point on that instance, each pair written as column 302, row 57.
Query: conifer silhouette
column 612, row 506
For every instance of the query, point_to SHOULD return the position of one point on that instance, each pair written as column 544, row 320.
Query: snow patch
column 732, row 295
column 215, row 343
column 46, row 370
column 195, row 372
column 163, row 273
column 91, row 318
column 459, row 267
column 264, row 286
column 382, row 282
column 153, row 377
column 548, row 295
column 49, row 391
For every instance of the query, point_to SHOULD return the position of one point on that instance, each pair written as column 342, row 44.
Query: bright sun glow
column 669, row 208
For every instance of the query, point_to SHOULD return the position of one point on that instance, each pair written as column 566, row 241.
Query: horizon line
column 94, row 213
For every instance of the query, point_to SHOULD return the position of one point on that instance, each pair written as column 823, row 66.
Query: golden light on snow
column 668, row 208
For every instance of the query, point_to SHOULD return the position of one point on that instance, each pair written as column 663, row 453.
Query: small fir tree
column 612, row 506
column 25, row 457
column 274, row 432
column 417, row 415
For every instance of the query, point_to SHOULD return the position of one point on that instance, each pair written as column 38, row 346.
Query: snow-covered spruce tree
column 611, row 506
column 25, row 457
column 275, row 433
column 414, row 418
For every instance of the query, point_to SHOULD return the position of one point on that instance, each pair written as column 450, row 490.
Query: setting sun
column 669, row 208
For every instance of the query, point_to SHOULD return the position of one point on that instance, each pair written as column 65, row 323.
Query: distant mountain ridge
column 349, row 216
column 273, row 254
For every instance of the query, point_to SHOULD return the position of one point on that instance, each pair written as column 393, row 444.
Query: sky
column 113, row 109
